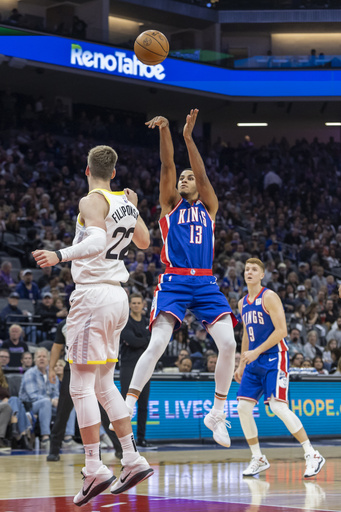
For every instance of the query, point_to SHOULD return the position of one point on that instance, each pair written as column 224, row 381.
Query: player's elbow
column 97, row 246
column 98, row 249
column 143, row 242
column 283, row 333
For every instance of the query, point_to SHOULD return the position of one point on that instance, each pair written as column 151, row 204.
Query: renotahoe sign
column 117, row 61
column 123, row 64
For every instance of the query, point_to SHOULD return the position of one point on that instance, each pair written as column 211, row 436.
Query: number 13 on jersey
column 196, row 234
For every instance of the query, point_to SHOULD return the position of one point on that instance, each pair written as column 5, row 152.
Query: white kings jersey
column 108, row 267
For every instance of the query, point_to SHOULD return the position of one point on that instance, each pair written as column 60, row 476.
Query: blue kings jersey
column 188, row 236
column 258, row 323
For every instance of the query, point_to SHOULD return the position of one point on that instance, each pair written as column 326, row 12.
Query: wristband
column 59, row 255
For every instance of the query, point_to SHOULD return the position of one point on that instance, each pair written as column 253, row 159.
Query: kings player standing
column 263, row 369
column 188, row 210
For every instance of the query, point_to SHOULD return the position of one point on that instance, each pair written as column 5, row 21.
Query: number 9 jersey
column 258, row 323
column 108, row 267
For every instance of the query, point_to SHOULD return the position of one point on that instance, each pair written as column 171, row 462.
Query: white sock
column 131, row 401
column 307, row 447
column 255, row 449
column 130, row 452
column 215, row 411
column 219, row 404
column 92, row 457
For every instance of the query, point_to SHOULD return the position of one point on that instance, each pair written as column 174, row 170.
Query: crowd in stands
column 278, row 202
column 16, row 18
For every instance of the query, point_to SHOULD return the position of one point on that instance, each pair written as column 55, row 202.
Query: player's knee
column 278, row 408
column 241, row 408
column 245, row 408
column 105, row 395
column 228, row 347
column 282, row 411
column 231, row 343
column 77, row 392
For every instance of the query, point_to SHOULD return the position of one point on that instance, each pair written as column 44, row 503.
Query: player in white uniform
column 107, row 223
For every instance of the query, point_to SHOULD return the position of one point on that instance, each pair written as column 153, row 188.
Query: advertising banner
column 177, row 409
column 116, row 62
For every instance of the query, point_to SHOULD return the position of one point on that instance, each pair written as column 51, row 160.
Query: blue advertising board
column 107, row 60
column 177, row 409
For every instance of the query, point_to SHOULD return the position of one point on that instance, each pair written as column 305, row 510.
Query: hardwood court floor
column 185, row 480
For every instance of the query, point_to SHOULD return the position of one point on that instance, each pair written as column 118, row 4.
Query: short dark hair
column 295, row 355
column 186, row 357
column 135, row 296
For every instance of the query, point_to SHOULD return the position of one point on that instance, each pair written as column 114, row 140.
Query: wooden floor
column 185, row 480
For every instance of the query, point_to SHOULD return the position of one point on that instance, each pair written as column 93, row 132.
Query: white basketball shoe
column 313, row 464
column 132, row 475
column 257, row 465
column 218, row 424
column 93, row 484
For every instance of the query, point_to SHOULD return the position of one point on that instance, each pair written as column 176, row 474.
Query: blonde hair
column 15, row 326
column 3, row 380
column 41, row 349
column 102, row 161
column 256, row 261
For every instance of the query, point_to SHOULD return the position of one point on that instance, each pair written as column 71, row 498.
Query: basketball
column 151, row 47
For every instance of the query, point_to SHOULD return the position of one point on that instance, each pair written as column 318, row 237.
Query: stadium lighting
column 252, row 124
column 336, row 123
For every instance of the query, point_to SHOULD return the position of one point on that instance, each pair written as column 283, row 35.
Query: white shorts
column 97, row 316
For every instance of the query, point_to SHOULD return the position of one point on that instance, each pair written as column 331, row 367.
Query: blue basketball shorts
column 176, row 293
column 267, row 376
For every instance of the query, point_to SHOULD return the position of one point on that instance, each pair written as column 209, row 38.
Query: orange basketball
column 151, row 47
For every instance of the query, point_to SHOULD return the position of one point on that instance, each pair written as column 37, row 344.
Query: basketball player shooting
column 188, row 210
column 107, row 223
column 263, row 369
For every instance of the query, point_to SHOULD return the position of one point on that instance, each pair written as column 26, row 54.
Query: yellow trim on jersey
column 120, row 193
column 79, row 221
column 97, row 362
column 104, row 191
column 103, row 362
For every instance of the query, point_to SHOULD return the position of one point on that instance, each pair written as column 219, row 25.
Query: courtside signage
column 117, row 62
column 177, row 408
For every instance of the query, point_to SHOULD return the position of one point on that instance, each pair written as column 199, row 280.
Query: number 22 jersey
column 108, row 267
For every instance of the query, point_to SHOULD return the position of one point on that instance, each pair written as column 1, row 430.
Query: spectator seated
column 39, row 396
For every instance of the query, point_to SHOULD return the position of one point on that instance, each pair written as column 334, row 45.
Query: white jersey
column 108, row 267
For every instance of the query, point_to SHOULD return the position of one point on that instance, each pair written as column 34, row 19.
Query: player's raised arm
column 169, row 195
column 205, row 189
